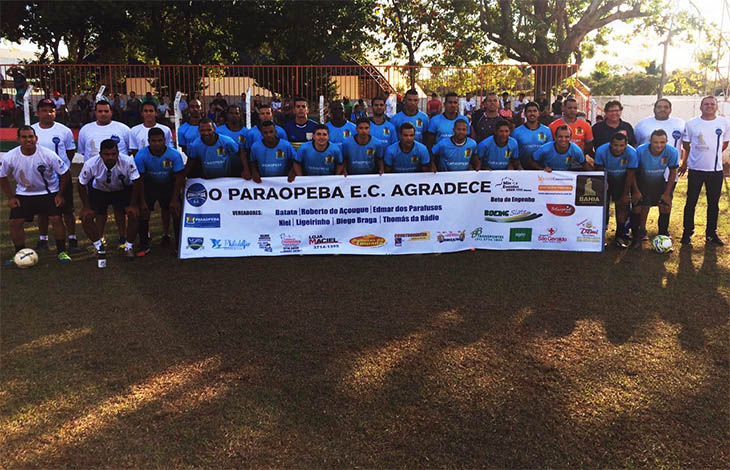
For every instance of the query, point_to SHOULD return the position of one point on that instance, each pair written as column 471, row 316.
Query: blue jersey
column 616, row 166
column 403, row 162
column 273, row 161
column 385, row 132
column 297, row 135
column 419, row 121
column 453, row 157
column 215, row 159
column 529, row 140
column 572, row 159
column 443, row 127
column 158, row 170
column 315, row 162
column 187, row 134
column 254, row 135
column 496, row 157
column 339, row 134
column 650, row 175
column 238, row 137
column 361, row 159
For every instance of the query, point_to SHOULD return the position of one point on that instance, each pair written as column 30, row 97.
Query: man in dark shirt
column 485, row 119
column 611, row 124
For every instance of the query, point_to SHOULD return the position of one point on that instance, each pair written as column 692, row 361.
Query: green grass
column 474, row 359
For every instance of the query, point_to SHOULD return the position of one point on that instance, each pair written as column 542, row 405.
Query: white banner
column 394, row 214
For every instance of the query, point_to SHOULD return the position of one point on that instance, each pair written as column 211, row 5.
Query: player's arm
column 12, row 200
column 428, row 139
column 667, row 194
column 686, row 146
column 243, row 155
column 255, row 174
column 534, row 164
column 474, row 162
column 70, row 154
column 296, row 170
column 514, row 164
column 86, row 210
column 381, row 166
column 177, row 188
column 137, row 192
column 630, row 188
column 340, row 169
column 63, row 183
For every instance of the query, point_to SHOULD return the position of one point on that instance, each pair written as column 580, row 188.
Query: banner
column 394, row 214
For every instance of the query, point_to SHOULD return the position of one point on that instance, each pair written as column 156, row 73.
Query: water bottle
column 101, row 259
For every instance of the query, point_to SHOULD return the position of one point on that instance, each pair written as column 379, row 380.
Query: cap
column 56, row 93
column 564, row 91
column 45, row 102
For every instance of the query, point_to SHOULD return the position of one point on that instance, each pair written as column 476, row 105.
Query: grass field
column 475, row 359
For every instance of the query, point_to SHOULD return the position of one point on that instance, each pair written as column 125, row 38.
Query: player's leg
column 59, row 232
column 42, row 232
column 713, row 191
column 665, row 213
column 694, row 186
column 144, row 223
column 121, row 200
column 17, row 233
column 121, row 219
column 620, row 209
column 165, row 216
column 69, row 219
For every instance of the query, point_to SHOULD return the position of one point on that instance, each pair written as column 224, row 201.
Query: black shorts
column 615, row 191
column 161, row 194
column 652, row 196
column 31, row 205
column 100, row 200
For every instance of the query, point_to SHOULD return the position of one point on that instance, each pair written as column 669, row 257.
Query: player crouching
column 114, row 181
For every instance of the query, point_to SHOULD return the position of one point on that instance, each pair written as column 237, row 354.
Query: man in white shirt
column 704, row 140
column 110, row 178
column 674, row 128
column 58, row 138
column 139, row 134
column 38, row 190
column 470, row 104
column 90, row 138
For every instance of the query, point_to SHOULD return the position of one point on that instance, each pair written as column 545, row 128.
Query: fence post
column 248, row 108
column 26, row 104
column 592, row 117
column 177, row 116
column 321, row 109
column 100, row 95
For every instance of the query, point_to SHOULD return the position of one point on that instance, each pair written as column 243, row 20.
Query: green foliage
column 607, row 80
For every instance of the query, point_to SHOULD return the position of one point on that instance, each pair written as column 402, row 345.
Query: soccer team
column 135, row 169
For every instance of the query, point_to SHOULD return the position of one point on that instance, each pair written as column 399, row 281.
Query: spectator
column 117, row 107
column 84, row 107
column 242, row 101
column 75, row 117
column 557, row 107
column 357, row 113
column 60, row 102
column 7, row 111
column 433, row 107
column 542, row 101
column 519, row 103
column 506, row 111
column 348, row 105
column 213, row 112
column 220, row 103
column 257, row 104
column 503, row 100
column 163, row 109
column 470, row 104
column 19, row 82
column 276, row 104
column 133, row 115
column 149, row 98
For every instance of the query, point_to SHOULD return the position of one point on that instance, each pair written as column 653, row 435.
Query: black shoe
column 165, row 240
column 686, row 239
column 73, row 246
column 621, row 242
column 41, row 245
column 714, row 240
column 636, row 242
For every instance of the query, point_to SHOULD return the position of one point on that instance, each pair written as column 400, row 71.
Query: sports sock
column 97, row 244
column 44, row 237
column 144, row 233
column 663, row 224
column 128, row 246
column 60, row 245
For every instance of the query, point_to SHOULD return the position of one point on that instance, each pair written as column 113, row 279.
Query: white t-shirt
column 58, row 138
column 163, row 109
column 517, row 103
column 390, row 106
column 673, row 126
column 122, row 174
column 139, row 136
column 59, row 102
column 470, row 105
column 706, row 138
column 35, row 174
column 92, row 135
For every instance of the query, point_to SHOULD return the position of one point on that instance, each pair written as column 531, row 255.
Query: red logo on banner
column 561, row 210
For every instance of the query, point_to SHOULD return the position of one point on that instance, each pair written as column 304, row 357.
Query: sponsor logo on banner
column 589, row 191
column 203, row 220
column 290, row 244
column 554, row 184
column 319, row 242
column 508, row 216
column 247, row 212
column 588, row 232
column 225, row 244
column 264, row 242
column 367, row 241
column 195, row 243
column 510, row 185
column 561, row 210
column 520, row 234
column 399, row 238
column 196, row 195
column 451, row 236
column 551, row 236
column 478, row 235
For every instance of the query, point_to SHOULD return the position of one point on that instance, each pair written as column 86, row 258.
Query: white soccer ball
column 25, row 258
column 661, row 244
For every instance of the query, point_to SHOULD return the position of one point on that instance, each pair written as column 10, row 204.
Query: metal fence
column 286, row 81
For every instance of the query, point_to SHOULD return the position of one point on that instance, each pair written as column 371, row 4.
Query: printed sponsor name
column 203, row 220
column 226, row 244
column 451, row 236
column 195, row 243
column 399, row 238
column 551, row 236
column 290, row 244
column 368, row 241
column 319, row 242
column 520, row 234
column 264, row 242
column 561, row 210
column 478, row 235
column 508, row 216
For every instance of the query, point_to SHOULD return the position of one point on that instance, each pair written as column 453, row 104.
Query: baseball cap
column 45, row 102
column 56, row 93
column 564, row 91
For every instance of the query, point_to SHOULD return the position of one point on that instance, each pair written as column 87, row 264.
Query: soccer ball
column 661, row 244
column 25, row 258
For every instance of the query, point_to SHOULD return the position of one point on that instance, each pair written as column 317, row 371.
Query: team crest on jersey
column 676, row 134
column 347, row 133
column 567, row 160
column 579, row 130
column 370, row 152
column 665, row 160
column 115, row 138
column 166, row 163
column 507, row 153
column 467, row 153
column 541, row 136
column 414, row 158
column 419, row 122
column 279, row 153
column 718, row 132
column 220, row 151
column 329, row 158
column 624, row 162
column 386, row 131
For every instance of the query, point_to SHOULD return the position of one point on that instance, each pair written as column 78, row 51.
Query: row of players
column 214, row 154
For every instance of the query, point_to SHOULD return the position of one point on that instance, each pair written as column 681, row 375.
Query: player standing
column 456, row 153
column 272, row 155
column 139, row 133
column 320, row 156
column 407, row 155
column 363, row 152
column 411, row 114
column 531, row 135
column 301, row 128
column 380, row 126
column 500, row 151
column 441, row 126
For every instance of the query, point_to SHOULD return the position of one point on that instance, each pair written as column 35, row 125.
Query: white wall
column 637, row 107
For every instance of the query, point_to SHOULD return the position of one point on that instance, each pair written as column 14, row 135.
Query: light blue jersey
column 273, row 161
column 158, row 170
column 443, row 127
column 339, row 134
column 385, row 132
column 572, row 159
column 361, row 159
column 410, row 162
column 187, row 134
column 215, row 159
column 453, row 157
column 652, row 168
column 496, row 157
column 238, row 136
column 616, row 166
column 254, row 135
column 419, row 121
column 529, row 140
column 315, row 162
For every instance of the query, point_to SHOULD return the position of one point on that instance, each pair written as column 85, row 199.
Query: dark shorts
column 44, row 204
column 101, row 200
column 160, row 194
column 616, row 190
column 652, row 196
